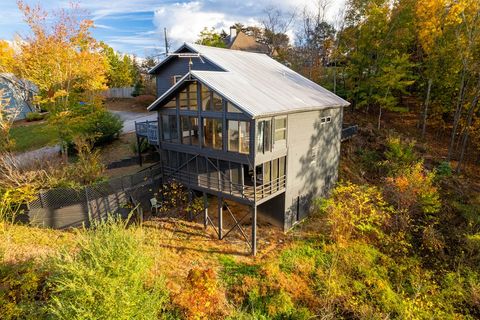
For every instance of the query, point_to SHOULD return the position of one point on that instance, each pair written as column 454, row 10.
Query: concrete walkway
column 129, row 119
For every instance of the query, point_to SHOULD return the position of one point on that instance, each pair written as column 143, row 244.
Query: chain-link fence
column 67, row 207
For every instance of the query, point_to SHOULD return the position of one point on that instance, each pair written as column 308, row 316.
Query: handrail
column 226, row 186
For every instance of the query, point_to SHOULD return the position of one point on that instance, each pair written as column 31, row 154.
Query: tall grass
column 107, row 277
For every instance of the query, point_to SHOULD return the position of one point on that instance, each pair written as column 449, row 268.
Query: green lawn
column 32, row 137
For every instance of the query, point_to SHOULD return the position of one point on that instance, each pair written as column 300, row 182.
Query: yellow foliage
column 6, row 57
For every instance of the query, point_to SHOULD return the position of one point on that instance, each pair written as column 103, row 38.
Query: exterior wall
column 312, row 160
column 179, row 66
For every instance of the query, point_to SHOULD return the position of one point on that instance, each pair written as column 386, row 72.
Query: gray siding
column 179, row 66
column 312, row 160
column 16, row 103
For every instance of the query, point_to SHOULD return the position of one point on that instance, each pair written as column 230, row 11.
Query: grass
column 34, row 136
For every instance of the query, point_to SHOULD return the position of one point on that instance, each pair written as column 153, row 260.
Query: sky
column 136, row 26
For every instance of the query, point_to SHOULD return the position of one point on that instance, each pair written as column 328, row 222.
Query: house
column 19, row 94
column 243, row 42
column 243, row 127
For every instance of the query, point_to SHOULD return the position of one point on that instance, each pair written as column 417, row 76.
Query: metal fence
column 125, row 92
column 62, row 208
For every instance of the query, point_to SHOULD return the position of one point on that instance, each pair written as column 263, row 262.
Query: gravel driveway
column 129, row 119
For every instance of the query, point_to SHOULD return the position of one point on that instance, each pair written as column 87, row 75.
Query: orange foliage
column 201, row 297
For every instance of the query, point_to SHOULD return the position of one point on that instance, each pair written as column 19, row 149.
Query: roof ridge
column 226, row 49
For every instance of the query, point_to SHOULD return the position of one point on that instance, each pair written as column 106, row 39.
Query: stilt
column 139, row 150
column 190, row 199
column 205, row 210
column 254, row 230
column 220, row 218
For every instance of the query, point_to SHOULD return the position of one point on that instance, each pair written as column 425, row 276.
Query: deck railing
column 226, row 186
column 349, row 131
column 149, row 130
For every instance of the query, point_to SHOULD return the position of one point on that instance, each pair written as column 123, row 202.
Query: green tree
column 211, row 38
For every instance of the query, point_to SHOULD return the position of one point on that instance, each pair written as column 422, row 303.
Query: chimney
column 233, row 33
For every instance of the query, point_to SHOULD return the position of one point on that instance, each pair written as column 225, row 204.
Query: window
column 176, row 78
column 189, row 130
column 183, row 99
column 210, row 100
column 188, row 98
column 264, row 136
column 233, row 136
column 212, row 133
column 172, row 104
column 169, row 128
column 239, row 136
column 280, row 129
column 326, row 120
column 217, row 103
column 232, row 109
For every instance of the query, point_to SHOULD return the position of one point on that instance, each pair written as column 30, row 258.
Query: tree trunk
column 467, row 129
column 425, row 110
column 456, row 118
column 379, row 116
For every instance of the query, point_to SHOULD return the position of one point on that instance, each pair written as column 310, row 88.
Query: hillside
column 399, row 238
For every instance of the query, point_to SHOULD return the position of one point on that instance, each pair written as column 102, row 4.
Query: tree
column 61, row 57
column 122, row 71
column 211, row 38
column 275, row 26
column 7, row 57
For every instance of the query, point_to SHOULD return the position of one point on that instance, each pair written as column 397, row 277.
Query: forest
column 398, row 237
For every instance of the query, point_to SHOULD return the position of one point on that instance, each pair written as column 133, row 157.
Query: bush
column 107, row 278
column 103, row 125
column 22, row 291
column 34, row 116
column 356, row 212
column 399, row 155
column 444, row 170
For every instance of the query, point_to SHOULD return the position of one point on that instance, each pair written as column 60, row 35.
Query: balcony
column 225, row 186
column 148, row 130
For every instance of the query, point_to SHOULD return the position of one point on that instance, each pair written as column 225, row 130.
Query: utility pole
column 166, row 41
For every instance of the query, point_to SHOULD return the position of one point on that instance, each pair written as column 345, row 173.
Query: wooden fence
column 125, row 92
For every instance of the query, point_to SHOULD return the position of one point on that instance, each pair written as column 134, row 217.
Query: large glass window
column 231, row 108
column 239, row 136
column 280, row 129
column 172, row 104
column 189, row 130
column 233, row 136
column 210, row 100
column 264, row 136
column 217, row 103
column 169, row 128
column 188, row 98
column 212, row 131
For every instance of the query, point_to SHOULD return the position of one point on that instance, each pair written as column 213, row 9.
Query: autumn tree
column 61, row 57
column 122, row 69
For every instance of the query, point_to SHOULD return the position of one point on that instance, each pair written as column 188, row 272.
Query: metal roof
column 258, row 84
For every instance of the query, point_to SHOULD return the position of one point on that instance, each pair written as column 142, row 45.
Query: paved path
column 129, row 119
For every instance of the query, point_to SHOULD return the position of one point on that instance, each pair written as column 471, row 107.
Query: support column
column 254, row 230
column 190, row 199
column 205, row 210
column 139, row 151
column 220, row 218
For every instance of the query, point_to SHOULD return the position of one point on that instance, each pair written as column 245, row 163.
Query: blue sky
column 136, row 26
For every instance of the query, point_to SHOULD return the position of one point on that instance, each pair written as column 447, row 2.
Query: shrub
column 356, row 212
column 107, row 278
column 34, row 116
column 22, row 291
column 399, row 155
column 444, row 170
column 103, row 125
column 200, row 298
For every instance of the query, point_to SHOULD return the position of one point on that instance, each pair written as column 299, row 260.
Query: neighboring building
column 243, row 42
column 19, row 93
column 242, row 126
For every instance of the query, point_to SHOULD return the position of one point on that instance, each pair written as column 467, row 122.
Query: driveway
column 129, row 119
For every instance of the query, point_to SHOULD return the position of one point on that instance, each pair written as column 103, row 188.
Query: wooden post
column 205, row 210
column 254, row 230
column 220, row 218
column 190, row 199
